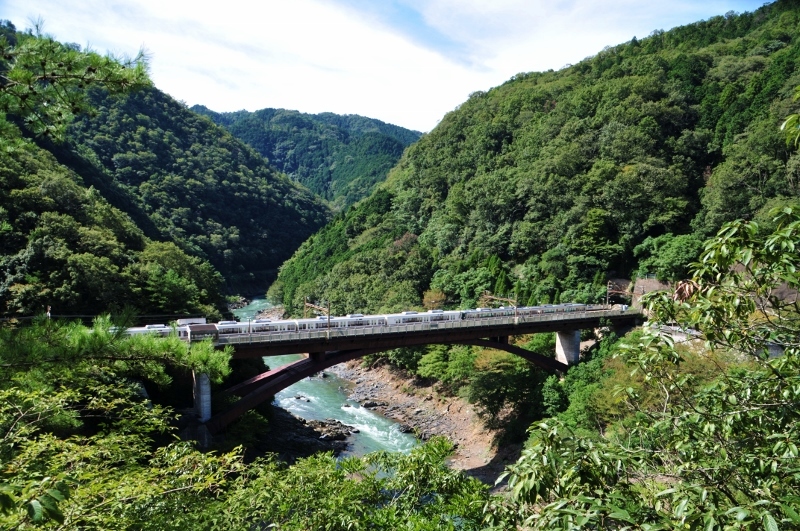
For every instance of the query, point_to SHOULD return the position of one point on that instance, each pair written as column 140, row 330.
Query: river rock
column 292, row 437
column 240, row 302
column 331, row 429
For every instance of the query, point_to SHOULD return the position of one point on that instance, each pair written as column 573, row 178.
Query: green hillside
column 200, row 186
column 340, row 158
column 542, row 188
column 141, row 202
column 63, row 242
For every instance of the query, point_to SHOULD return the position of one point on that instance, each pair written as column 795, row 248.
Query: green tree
column 718, row 456
column 82, row 448
column 668, row 256
column 73, row 412
column 45, row 82
column 791, row 126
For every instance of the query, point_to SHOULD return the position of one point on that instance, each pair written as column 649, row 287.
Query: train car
column 268, row 325
column 485, row 313
column 574, row 307
column 444, row 315
column 152, row 329
column 357, row 320
column 232, row 327
column 404, row 318
column 321, row 323
column 301, row 325
column 201, row 331
column 182, row 327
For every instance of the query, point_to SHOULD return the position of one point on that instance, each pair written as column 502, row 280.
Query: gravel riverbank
column 422, row 410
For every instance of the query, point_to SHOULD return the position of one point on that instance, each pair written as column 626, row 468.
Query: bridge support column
column 202, row 395
column 568, row 346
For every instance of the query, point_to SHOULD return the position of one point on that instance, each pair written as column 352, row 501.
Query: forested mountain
column 339, row 157
column 542, row 188
column 63, row 245
column 200, row 186
column 647, row 433
column 141, row 202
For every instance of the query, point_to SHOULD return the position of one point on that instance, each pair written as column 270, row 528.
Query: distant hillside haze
column 339, row 157
column 546, row 186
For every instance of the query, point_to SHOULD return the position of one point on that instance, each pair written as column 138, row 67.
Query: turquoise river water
column 328, row 400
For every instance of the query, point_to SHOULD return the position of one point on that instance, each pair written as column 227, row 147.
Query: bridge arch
column 262, row 387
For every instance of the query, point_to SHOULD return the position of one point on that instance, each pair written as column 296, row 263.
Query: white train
column 197, row 329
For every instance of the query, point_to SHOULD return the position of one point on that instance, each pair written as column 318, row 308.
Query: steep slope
column 340, row 158
column 62, row 245
column 544, row 187
column 197, row 185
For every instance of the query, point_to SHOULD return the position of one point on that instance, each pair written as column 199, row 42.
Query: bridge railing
column 276, row 337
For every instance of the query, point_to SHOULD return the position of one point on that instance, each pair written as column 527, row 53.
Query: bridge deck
column 330, row 347
column 393, row 336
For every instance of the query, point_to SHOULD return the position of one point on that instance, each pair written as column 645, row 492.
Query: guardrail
column 276, row 337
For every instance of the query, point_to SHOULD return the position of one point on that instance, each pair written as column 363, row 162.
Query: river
column 327, row 399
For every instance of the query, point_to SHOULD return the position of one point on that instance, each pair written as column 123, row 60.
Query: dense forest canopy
column 65, row 243
column 112, row 194
column 340, row 158
column 644, row 433
column 546, row 186
column 200, row 187
column 682, row 446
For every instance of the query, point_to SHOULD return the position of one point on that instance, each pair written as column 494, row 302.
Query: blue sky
column 407, row 62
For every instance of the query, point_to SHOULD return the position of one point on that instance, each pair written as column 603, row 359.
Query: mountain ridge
column 339, row 157
column 543, row 187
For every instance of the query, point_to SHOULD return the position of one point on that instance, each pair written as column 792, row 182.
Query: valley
column 671, row 159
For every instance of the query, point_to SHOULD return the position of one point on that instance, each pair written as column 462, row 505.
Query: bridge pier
column 202, row 395
column 568, row 346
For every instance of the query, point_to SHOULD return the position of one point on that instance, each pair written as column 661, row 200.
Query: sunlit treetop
column 44, row 82
column 791, row 127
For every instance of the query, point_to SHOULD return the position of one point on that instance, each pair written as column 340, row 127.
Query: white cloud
column 326, row 55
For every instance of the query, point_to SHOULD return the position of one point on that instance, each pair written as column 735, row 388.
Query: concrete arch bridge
column 326, row 348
